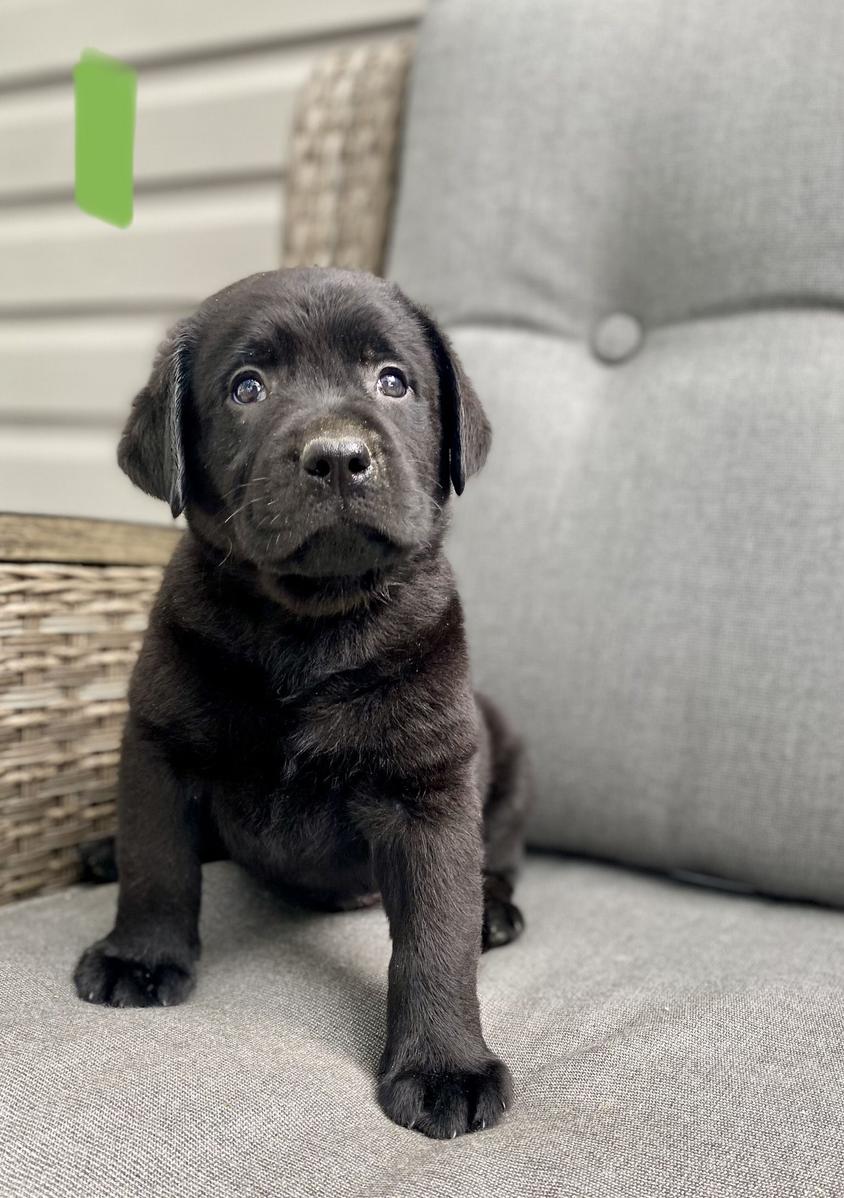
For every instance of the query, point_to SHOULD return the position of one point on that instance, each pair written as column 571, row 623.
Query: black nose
column 337, row 459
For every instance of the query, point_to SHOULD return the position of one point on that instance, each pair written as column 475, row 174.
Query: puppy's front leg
column 148, row 958
column 437, row 1073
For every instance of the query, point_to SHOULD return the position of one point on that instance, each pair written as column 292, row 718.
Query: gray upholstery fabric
column 652, row 565
column 665, row 1041
column 653, row 560
column 567, row 158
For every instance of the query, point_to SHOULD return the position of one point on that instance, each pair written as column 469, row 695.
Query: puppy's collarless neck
column 213, row 593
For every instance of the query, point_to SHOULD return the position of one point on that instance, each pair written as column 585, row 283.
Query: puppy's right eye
column 248, row 389
column 391, row 382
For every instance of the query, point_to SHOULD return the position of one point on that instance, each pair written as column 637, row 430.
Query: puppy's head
column 311, row 423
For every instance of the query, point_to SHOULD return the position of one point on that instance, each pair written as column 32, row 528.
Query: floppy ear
column 151, row 449
column 467, row 434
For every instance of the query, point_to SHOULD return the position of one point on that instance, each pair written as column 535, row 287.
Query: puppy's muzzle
column 342, row 462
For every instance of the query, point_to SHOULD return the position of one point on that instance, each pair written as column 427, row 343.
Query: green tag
column 105, row 91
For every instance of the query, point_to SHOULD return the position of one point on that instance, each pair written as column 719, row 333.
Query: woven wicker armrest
column 342, row 171
column 74, row 598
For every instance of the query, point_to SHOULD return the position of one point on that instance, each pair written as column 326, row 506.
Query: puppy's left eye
column 248, row 389
column 391, row 382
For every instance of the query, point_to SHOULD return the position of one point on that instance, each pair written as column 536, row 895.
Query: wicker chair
column 74, row 594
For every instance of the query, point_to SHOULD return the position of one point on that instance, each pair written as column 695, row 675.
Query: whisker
column 242, row 508
column 438, row 506
column 263, row 479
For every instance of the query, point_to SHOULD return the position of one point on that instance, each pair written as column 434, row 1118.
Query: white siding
column 180, row 246
column 83, row 305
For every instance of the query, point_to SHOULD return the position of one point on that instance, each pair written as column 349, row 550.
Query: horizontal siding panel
column 39, row 37
column 180, row 247
column 215, row 120
column 76, row 370
column 62, row 472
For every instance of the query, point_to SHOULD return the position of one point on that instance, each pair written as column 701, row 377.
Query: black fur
column 303, row 689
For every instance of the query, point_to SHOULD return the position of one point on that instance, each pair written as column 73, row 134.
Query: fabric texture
column 665, row 1041
column 652, row 565
column 566, row 159
column 629, row 217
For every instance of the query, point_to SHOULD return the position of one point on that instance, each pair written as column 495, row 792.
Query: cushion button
column 617, row 337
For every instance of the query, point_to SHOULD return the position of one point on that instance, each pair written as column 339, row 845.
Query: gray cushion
column 664, row 1041
column 653, row 569
column 653, row 560
column 565, row 159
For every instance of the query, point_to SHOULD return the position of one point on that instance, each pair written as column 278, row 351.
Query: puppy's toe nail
column 503, row 1105
column 90, row 996
column 454, row 1135
column 483, row 1124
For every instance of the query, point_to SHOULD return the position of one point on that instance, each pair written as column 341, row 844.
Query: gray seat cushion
column 664, row 1041
column 653, row 560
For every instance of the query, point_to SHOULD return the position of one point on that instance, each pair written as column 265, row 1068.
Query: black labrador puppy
column 303, row 688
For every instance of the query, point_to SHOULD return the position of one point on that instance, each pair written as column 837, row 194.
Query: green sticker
column 105, row 91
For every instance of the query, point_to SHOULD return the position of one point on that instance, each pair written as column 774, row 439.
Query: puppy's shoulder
column 189, row 644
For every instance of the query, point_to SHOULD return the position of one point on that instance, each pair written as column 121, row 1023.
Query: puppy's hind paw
column 103, row 976
column 503, row 922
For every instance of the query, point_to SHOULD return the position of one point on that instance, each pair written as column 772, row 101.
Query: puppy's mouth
column 328, row 588
column 335, row 569
column 343, row 552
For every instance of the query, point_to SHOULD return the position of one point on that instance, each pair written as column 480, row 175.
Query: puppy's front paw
column 448, row 1102
column 103, row 976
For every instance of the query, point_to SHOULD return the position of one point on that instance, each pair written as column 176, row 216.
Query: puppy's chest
column 251, row 729
column 281, row 780
column 268, row 737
